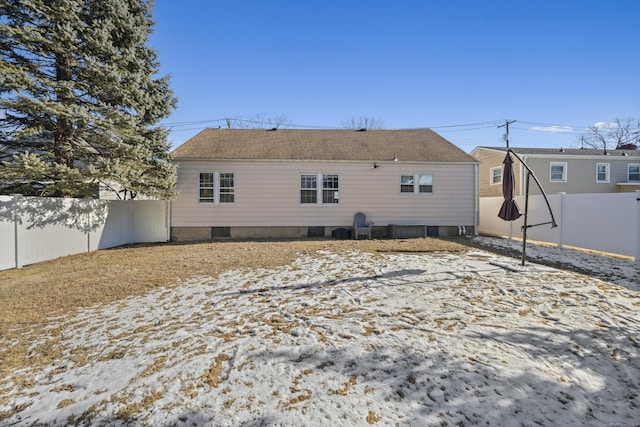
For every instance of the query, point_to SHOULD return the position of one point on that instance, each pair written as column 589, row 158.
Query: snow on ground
column 352, row 339
column 614, row 270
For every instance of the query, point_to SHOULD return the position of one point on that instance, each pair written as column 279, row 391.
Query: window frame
column 415, row 185
column 492, row 176
column 326, row 190
column 310, row 190
column 406, row 185
column 419, row 176
column 607, row 173
column 212, row 188
column 321, row 191
column 564, row 171
column 217, row 189
column 229, row 191
column 629, row 166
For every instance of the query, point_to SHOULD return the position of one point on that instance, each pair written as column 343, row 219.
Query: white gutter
column 476, row 200
column 168, row 220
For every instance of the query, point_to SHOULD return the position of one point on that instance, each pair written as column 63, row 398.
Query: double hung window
column 308, row 189
column 216, row 187
column 407, row 183
column 319, row 189
column 602, row 172
column 633, row 172
column 207, row 187
column 558, row 172
column 496, row 175
column 416, row 184
column 227, row 187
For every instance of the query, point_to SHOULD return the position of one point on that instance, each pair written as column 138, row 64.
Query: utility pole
column 506, row 124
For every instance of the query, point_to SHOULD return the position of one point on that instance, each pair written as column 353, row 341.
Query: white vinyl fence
column 602, row 222
column 34, row 229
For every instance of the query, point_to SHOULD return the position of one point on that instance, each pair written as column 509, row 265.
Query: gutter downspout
column 476, row 201
column 522, row 175
column 168, row 220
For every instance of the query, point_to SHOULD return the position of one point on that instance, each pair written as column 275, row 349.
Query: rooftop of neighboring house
column 568, row 151
column 414, row 145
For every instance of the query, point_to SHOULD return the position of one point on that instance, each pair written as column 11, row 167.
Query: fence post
column 88, row 226
column 637, row 236
column 168, row 219
column 16, row 227
column 561, row 220
column 132, row 228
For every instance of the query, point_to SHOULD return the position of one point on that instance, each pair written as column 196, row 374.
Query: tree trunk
column 63, row 136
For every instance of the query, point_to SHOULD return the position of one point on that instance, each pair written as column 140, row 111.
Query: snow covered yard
column 352, row 338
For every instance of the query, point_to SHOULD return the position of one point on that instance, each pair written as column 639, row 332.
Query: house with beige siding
column 289, row 183
column 570, row 171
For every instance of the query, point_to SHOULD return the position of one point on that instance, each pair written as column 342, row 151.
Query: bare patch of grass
column 213, row 377
column 66, row 402
column 127, row 412
column 346, row 386
column 18, row 408
column 372, row 417
column 30, row 295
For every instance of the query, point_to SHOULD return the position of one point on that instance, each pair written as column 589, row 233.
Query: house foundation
column 185, row 234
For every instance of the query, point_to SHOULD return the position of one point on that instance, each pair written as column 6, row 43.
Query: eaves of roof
column 567, row 152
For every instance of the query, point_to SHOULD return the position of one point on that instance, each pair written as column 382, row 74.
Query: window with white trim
column 207, row 187
column 227, row 187
column 602, row 173
column 424, row 184
column 217, row 187
column 558, row 172
column 633, row 172
column 406, row 183
column 319, row 188
column 330, row 189
column 496, row 175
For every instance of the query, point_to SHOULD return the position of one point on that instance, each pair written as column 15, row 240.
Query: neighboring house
column 561, row 170
column 307, row 183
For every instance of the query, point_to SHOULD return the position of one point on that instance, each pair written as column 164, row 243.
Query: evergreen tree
column 80, row 100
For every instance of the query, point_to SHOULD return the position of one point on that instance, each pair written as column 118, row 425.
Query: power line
column 476, row 125
column 547, row 128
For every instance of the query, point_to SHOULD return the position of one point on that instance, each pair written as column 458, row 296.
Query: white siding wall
column 268, row 194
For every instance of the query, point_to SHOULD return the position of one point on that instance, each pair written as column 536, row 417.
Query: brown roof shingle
column 422, row 145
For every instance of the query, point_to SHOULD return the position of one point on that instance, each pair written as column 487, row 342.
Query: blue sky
column 458, row 67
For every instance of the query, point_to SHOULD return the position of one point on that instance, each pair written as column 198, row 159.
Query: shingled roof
column 421, row 145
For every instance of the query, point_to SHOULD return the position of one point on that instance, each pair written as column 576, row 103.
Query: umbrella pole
column 526, row 213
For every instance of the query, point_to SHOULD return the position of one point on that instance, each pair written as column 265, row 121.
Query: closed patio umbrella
column 509, row 210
